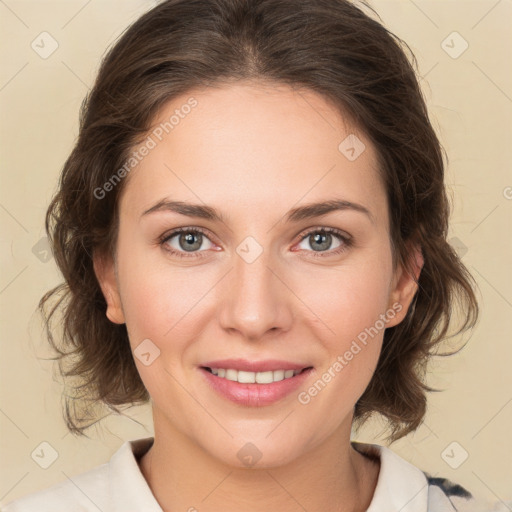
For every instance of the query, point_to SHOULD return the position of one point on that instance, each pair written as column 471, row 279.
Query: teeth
column 254, row 377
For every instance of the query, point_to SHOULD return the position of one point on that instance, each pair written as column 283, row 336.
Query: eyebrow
column 299, row 213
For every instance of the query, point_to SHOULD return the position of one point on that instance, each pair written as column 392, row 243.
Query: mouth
column 255, row 388
column 255, row 383
column 253, row 377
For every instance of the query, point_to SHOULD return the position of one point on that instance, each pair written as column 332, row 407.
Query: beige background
column 470, row 100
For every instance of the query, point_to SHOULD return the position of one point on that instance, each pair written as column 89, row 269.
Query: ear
column 404, row 285
column 104, row 268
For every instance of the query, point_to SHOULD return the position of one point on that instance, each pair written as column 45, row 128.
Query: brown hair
column 330, row 47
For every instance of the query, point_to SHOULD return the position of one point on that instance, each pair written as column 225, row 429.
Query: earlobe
column 104, row 268
column 405, row 284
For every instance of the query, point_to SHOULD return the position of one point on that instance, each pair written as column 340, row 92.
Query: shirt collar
column 128, row 487
column 400, row 485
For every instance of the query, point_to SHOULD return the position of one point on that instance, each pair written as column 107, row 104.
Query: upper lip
column 255, row 366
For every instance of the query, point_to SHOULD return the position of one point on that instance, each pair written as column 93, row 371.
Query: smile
column 245, row 377
column 255, row 389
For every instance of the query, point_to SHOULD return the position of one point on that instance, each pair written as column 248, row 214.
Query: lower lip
column 255, row 395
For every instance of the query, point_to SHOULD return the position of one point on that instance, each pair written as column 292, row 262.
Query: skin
column 254, row 151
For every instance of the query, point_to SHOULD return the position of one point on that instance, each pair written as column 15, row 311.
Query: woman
column 252, row 231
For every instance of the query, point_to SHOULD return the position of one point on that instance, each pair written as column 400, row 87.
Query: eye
column 181, row 241
column 321, row 239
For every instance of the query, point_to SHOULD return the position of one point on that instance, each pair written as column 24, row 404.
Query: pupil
column 319, row 236
column 190, row 244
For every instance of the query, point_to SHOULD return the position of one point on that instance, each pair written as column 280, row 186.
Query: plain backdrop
column 465, row 72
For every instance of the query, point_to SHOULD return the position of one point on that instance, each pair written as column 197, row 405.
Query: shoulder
column 405, row 487
column 441, row 490
column 86, row 492
column 116, row 486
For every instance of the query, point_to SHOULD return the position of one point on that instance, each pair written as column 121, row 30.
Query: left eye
column 322, row 239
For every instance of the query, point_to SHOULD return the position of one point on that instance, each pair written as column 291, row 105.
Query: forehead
column 257, row 144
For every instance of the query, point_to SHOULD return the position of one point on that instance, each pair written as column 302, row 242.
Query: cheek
column 347, row 306
column 158, row 306
column 154, row 297
column 351, row 307
column 347, row 300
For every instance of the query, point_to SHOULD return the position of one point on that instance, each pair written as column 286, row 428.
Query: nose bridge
column 256, row 299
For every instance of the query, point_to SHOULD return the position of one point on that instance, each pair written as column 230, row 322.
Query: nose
column 256, row 298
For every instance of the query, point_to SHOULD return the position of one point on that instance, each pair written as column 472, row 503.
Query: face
column 265, row 279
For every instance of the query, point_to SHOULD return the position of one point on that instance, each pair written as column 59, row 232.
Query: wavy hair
column 332, row 47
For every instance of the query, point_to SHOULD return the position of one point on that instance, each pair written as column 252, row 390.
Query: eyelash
column 346, row 242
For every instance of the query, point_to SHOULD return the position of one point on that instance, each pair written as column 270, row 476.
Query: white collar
column 401, row 486
column 129, row 489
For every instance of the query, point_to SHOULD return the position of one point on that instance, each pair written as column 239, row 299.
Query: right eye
column 181, row 241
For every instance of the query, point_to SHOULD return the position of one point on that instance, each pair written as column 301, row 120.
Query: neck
column 182, row 476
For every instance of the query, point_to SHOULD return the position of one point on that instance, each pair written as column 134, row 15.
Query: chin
column 264, row 454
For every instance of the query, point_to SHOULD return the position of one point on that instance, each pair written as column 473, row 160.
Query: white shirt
column 119, row 486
